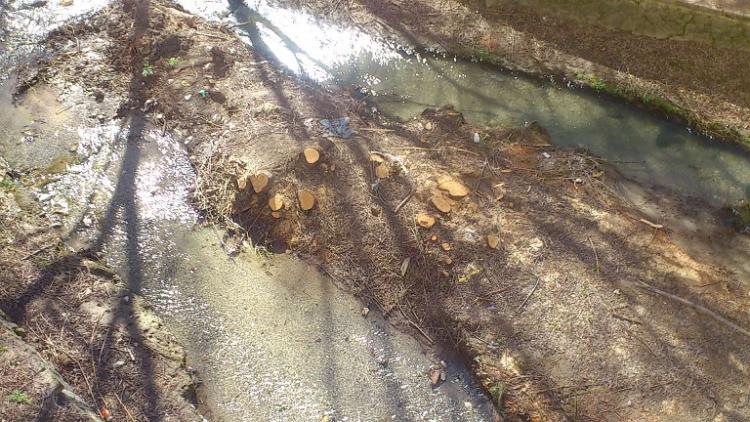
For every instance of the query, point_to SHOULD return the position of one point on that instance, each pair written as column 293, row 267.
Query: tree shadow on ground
column 122, row 211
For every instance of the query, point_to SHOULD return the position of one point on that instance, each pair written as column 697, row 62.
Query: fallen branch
column 414, row 324
column 403, row 202
column 652, row 225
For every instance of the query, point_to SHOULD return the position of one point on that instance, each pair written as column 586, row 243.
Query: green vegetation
column 172, row 61
column 740, row 218
column 18, row 396
column 497, row 392
column 6, row 183
column 148, row 69
column 600, row 85
column 3, row 349
column 666, row 106
column 481, row 54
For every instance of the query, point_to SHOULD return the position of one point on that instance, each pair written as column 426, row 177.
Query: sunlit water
column 403, row 83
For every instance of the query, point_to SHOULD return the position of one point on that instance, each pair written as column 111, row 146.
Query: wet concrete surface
column 271, row 338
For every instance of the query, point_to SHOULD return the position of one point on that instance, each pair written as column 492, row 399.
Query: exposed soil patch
column 568, row 300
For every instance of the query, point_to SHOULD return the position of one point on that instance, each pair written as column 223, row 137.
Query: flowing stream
column 403, row 83
column 272, row 338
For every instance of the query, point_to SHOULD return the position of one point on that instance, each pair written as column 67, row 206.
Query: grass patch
column 497, row 391
column 20, row 397
column 600, row 85
column 3, row 349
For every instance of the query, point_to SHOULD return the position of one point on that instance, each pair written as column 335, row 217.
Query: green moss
column 481, row 54
column 18, row 396
column 666, row 106
column 7, row 184
column 600, row 85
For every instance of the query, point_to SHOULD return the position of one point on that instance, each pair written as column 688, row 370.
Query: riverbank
column 699, row 84
column 530, row 261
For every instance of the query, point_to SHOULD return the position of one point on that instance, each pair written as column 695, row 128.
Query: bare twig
column 653, row 225
column 125, row 408
column 418, row 328
column 538, row 280
column 596, row 255
column 403, row 201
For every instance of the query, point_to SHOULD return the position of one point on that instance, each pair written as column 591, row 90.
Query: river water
column 271, row 337
column 403, row 83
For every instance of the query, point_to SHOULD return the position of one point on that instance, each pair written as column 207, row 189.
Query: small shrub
column 172, row 61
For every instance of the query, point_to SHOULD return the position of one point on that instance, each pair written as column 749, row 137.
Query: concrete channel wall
column 722, row 23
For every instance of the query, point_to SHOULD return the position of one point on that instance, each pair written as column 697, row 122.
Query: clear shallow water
column 403, row 83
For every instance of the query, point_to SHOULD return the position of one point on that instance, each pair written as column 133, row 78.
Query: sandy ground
column 587, row 307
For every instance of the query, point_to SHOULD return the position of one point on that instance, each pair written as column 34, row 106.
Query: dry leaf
column 405, row 266
column 276, row 214
column 311, row 155
column 425, row 220
column 306, row 199
column 382, row 171
column 446, row 246
column 492, row 241
column 434, row 238
column 259, row 182
column 276, row 202
column 376, row 158
column 455, row 188
column 441, row 203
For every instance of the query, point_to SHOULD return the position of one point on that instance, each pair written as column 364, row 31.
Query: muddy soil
column 697, row 83
column 570, row 301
